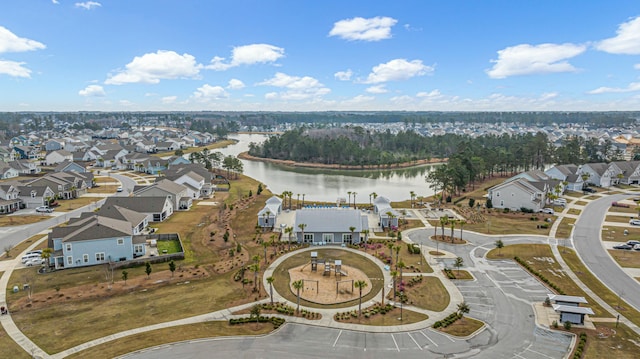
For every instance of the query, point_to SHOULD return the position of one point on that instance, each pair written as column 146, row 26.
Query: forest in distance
column 355, row 146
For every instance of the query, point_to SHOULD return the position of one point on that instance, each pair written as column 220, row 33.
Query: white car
column 547, row 211
column 634, row 222
column 44, row 209
column 560, row 202
column 34, row 262
column 119, row 189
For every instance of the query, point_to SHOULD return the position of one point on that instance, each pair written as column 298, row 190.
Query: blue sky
column 294, row 55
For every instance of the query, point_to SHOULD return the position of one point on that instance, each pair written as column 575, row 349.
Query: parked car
column 560, row 203
column 623, row 246
column 589, row 190
column 119, row 189
column 635, row 222
column 28, row 257
column 633, row 243
column 547, row 211
column 618, row 204
column 35, row 262
column 44, row 209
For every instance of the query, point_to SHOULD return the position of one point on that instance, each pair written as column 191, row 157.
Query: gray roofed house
column 567, row 173
column 139, row 221
column 163, row 188
column 35, row 196
column 156, row 208
column 598, row 174
column 519, row 193
column 330, row 225
column 386, row 214
column 91, row 240
column 269, row 213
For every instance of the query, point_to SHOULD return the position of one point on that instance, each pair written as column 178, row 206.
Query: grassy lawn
column 62, row 325
column 171, row 335
column 540, row 258
column 630, row 259
column 618, row 342
column 617, row 219
column 573, row 194
column 7, row 221
column 282, row 279
column 592, row 197
column 574, row 211
column 108, row 188
column 22, row 246
column 510, row 223
column 213, row 146
column 565, row 227
column 617, row 234
column 100, row 180
column 169, row 247
column 463, row 327
column 71, row 204
column 631, row 209
column 461, row 274
column 391, row 318
column 597, row 287
column 9, row 348
column 581, row 203
column 430, row 294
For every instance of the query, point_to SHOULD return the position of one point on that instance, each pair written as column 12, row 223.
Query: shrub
column 489, row 204
column 505, row 210
column 567, row 325
column 472, row 202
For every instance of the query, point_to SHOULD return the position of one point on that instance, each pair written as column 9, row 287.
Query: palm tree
column 463, row 308
column 444, row 220
column 255, row 267
column 352, row 229
column 390, row 246
column 270, row 281
column 413, row 195
column 289, row 231
column 394, row 275
column 264, row 246
column 397, row 248
column 401, row 266
column 297, row 285
column 360, row 284
column 46, row 254
column 499, row 244
column 459, row 262
column 298, row 200
column 461, row 222
column 349, row 203
column 365, row 233
column 354, row 199
column 453, row 225
column 302, row 226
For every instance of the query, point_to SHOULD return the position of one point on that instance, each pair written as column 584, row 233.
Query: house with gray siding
column 568, row 174
column 268, row 215
column 598, row 174
column 330, row 225
column 156, row 208
column 387, row 216
column 90, row 241
column 519, row 193
column 177, row 193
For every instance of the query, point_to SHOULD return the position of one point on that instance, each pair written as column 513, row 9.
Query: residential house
column 35, row 196
column 25, row 167
column 153, row 165
column 157, row 208
column 9, row 200
column 626, row 172
column 196, row 176
column 92, row 240
column 6, row 171
column 167, row 146
column 330, row 225
column 146, row 146
column 568, row 174
column 27, row 152
column 58, row 156
column 268, row 215
column 519, row 193
column 598, row 174
column 387, row 216
column 70, row 166
column 139, row 221
column 177, row 193
column 54, row 145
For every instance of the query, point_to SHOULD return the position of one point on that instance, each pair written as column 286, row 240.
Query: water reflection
column 329, row 184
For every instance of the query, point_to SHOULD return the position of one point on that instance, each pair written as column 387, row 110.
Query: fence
column 155, row 259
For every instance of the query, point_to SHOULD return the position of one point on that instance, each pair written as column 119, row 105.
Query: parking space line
column 519, row 356
column 394, row 342
column 544, row 355
column 418, row 345
column 338, row 337
column 429, row 339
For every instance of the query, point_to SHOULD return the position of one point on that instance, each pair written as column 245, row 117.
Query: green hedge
column 277, row 322
column 450, row 319
column 577, row 354
column 539, row 275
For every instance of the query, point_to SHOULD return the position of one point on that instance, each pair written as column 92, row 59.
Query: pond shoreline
column 290, row 163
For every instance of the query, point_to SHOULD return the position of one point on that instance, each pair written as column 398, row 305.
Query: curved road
column 587, row 241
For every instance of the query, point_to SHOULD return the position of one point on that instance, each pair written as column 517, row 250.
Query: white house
column 58, row 156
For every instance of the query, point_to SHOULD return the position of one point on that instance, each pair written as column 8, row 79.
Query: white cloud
column 632, row 87
column 248, row 55
column 92, row 90
column 430, row 95
column 528, row 59
column 377, row 89
column 125, row 103
column 636, row 66
column 298, row 88
column 402, row 100
column 360, row 99
column 152, row 67
column 9, row 42
column 55, row 2
column 208, row 92
column 235, row 84
column 88, row 5
column 15, row 69
column 626, row 41
column 169, row 99
column 396, row 70
column 372, row 29
column 343, row 75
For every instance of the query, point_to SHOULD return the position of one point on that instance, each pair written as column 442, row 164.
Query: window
column 120, row 241
column 497, row 194
column 68, row 247
column 308, row 237
column 99, row 257
column 85, row 258
column 327, row 237
column 138, row 248
column 33, row 194
column 70, row 260
column 501, row 203
column 346, row 237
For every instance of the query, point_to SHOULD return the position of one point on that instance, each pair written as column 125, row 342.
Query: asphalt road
column 586, row 239
column 501, row 296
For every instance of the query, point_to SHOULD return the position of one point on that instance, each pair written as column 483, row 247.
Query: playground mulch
column 331, row 287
